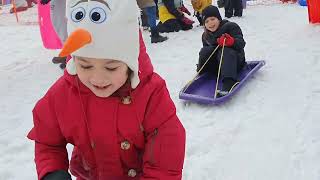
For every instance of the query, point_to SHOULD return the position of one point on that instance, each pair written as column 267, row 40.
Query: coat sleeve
column 172, row 9
column 204, row 41
column 165, row 141
column 207, row 40
column 50, row 145
column 236, row 33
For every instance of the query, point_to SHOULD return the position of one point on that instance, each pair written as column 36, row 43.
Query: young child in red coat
column 109, row 104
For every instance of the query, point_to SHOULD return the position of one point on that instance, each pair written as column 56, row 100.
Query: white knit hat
column 103, row 29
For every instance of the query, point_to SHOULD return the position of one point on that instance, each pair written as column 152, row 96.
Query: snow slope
column 268, row 131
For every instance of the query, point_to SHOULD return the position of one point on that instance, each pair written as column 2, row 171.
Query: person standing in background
column 150, row 10
column 233, row 8
column 172, row 16
column 198, row 6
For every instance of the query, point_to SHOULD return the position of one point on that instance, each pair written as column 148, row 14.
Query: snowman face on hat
column 110, row 25
column 96, row 11
column 103, row 29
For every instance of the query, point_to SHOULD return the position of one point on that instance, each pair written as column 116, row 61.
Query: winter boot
column 238, row 13
column 228, row 13
column 156, row 37
column 227, row 86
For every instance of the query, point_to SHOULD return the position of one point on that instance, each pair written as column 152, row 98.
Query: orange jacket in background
column 199, row 5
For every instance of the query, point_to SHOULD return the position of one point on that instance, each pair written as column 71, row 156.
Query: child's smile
column 212, row 23
column 102, row 76
column 101, row 87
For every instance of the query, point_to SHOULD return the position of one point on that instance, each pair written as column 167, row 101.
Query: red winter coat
column 143, row 140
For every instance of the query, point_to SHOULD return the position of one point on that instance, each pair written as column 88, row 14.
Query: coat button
column 126, row 100
column 125, row 145
column 92, row 145
column 132, row 173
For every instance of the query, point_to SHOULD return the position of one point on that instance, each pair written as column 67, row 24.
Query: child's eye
column 111, row 69
column 85, row 67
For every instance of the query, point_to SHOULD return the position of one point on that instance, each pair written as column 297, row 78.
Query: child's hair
column 129, row 73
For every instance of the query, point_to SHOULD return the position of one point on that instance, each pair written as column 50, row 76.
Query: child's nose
column 99, row 79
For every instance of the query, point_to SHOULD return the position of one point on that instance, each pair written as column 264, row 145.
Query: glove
column 44, row 2
column 187, row 21
column 229, row 40
column 185, row 10
column 58, row 175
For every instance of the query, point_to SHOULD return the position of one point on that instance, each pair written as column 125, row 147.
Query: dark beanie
column 211, row 11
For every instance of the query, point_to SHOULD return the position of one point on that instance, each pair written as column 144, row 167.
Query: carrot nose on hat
column 76, row 40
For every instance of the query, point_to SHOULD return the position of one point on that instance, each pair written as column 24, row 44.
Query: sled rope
column 218, row 76
column 235, row 84
column 190, row 82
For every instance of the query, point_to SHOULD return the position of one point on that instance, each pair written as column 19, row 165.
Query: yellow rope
column 218, row 77
column 235, row 84
column 190, row 82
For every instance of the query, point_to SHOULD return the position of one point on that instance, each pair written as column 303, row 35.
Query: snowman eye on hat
column 98, row 15
column 78, row 14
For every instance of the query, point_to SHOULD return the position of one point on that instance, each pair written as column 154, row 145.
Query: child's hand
column 187, row 21
column 185, row 10
column 44, row 2
column 229, row 40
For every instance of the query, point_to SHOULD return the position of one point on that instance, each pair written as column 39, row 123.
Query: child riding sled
column 218, row 33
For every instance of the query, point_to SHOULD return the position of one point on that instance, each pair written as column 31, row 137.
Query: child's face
column 212, row 24
column 102, row 77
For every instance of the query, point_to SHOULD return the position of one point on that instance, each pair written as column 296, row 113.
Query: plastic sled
column 50, row 38
column 202, row 89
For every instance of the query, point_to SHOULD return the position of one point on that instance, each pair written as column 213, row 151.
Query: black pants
column 233, row 8
column 144, row 19
column 173, row 25
column 231, row 63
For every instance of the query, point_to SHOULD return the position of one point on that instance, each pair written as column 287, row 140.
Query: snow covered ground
column 268, row 131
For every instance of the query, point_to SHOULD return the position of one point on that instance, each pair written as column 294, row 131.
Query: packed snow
column 267, row 131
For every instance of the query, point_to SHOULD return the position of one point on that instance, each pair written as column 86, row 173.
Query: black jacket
column 210, row 38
